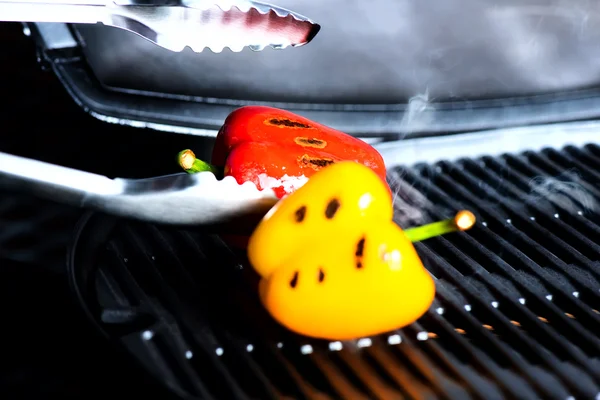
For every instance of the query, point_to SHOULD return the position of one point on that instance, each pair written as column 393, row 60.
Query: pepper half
column 333, row 263
column 280, row 150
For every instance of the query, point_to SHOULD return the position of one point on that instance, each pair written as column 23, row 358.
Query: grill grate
column 35, row 231
column 515, row 314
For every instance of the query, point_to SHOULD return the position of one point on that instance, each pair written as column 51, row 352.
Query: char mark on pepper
column 300, row 214
column 360, row 247
column 294, row 280
column 332, row 208
column 315, row 163
column 310, row 142
column 321, row 275
column 284, row 122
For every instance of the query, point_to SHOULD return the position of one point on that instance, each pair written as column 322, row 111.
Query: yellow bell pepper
column 334, row 265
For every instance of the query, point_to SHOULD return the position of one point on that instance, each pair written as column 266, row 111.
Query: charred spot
column 321, row 275
column 315, row 163
column 300, row 214
column 320, row 162
column 360, row 247
column 360, row 251
column 294, row 281
column 310, row 142
column 288, row 123
column 332, row 208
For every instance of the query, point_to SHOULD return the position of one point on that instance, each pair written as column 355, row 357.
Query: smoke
column 567, row 192
column 410, row 205
column 564, row 191
column 418, row 114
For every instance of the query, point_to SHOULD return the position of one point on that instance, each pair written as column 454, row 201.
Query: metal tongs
column 181, row 199
column 198, row 200
column 176, row 24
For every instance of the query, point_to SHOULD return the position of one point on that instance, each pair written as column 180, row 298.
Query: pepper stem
column 462, row 221
column 190, row 164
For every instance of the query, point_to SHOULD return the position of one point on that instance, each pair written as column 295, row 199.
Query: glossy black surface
column 379, row 52
column 48, row 348
column 498, row 334
column 515, row 314
column 377, row 67
column 40, row 120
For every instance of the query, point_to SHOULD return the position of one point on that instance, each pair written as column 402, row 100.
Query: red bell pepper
column 278, row 149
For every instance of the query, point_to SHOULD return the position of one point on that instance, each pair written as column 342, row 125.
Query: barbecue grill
column 517, row 306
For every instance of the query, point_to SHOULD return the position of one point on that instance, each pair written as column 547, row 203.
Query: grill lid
column 516, row 313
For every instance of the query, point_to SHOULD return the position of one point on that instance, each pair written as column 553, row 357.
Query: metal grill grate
column 516, row 313
column 35, row 231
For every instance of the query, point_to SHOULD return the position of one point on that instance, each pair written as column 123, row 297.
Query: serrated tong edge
column 126, row 16
column 265, row 10
column 247, row 7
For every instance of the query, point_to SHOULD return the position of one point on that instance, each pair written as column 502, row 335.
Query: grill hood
column 378, row 67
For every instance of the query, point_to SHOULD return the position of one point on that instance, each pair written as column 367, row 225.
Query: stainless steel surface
column 197, row 24
column 488, row 143
column 179, row 199
column 383, row 53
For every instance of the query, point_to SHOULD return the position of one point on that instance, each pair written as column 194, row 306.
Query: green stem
column 192, row 165
column 462, row 221
column 420, row 233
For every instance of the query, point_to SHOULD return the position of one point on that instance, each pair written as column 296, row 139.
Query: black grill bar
column 464, row 195
column 26, row 222
column 488, row 366
column 531, row 229
column 515, row 316
column 499, row 246
column 514, row 305
column 519, row 231
column 507, row 250
column 508, row 331
column 576, row 226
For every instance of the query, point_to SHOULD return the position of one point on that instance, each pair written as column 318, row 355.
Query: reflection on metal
column 488, row 143
column 197, row 24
